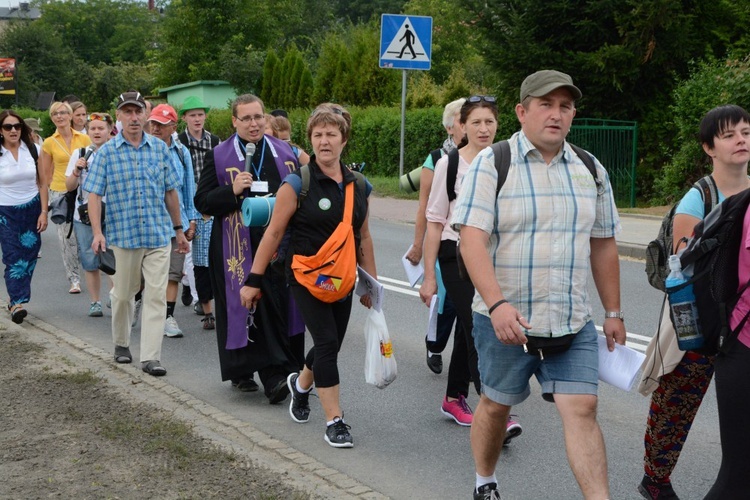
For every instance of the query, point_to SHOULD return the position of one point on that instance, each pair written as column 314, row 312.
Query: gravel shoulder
column 75, row 425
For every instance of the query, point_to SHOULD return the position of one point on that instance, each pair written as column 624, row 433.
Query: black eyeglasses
column 10, row 126
column 479, row 98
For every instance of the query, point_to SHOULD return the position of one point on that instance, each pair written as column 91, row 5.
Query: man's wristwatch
column 615, row 314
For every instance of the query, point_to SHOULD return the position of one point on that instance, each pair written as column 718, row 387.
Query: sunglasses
column 10, row 126
column 479, row 98
column 100, row 116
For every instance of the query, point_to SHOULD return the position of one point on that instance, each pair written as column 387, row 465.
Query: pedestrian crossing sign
column 405, row 42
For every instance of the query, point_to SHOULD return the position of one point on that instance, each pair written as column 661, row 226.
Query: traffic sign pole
column 403, row 124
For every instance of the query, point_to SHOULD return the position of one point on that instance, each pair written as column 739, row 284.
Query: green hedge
column 710, row 85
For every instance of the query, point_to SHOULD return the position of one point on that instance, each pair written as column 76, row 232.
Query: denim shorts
column 505, row 370
column 85, row 237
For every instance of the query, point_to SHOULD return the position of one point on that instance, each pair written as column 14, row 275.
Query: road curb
column 230, row 434
column 631, row 250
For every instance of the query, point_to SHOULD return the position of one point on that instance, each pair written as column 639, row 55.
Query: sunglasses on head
column 10, row 126
column 479, row 98
column 100, row 116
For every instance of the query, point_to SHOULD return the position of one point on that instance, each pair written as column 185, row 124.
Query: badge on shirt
column 324, row 204
column 259, row 187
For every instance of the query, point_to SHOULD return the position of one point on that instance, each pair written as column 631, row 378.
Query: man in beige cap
column 33, row 124
column 550, row 221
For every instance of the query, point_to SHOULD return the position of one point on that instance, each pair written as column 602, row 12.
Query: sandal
column 122, row 354
column 17, row 313
column 153, row 368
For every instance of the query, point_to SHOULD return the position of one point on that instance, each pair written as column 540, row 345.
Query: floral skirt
column 20, row 243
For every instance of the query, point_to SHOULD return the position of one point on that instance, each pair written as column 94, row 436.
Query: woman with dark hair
column 680, row 379
column 23, row 209
column 478, row 125
column 313, row 218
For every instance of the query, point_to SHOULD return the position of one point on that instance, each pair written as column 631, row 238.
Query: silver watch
column 615, row 314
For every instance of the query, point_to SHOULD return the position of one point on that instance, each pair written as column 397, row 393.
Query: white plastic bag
column 380, row 364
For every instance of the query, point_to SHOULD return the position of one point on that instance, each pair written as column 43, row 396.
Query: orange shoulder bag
column 329, row 275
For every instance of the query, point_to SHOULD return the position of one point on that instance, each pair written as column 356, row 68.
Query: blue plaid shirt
column 135, row 181
column 183, row 166
column 540, row 226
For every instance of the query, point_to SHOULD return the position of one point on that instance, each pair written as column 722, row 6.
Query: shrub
column 711, row 84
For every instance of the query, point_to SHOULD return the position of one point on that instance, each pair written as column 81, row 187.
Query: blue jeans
column 505, row 370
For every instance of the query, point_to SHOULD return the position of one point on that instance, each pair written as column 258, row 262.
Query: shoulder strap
column 450, row 183
column 349, row 203
column 436, row 155
column 183, row 137
column 709, row 192
column 304, row 171
column 501, row 150
column 214, row 140
column 586, row 159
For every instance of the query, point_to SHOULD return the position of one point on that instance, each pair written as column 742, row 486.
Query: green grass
column 388, row 187
column 86, row 377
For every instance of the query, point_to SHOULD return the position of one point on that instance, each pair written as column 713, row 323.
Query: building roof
column 22, row 11
column 197, row 83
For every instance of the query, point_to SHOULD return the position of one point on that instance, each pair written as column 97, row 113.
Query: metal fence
column 613, row 142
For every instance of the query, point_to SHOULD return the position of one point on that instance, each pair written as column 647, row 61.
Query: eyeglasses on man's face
column 10, row 126
column 251, row 118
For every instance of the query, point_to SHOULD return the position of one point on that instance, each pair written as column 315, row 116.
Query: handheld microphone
column 249, row 152
column 89, row 152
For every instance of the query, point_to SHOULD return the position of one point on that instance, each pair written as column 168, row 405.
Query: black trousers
column 463, row 366
column 327, row 326
column 732, row 375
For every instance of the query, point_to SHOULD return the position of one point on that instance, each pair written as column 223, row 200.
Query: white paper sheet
column 432, row 324
column 619, row 367
column 413, row 272
column 368, row 285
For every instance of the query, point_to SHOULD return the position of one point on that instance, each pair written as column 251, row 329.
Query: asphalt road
column 404, row 447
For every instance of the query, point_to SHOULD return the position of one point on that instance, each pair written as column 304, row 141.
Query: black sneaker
column 337, row 434
column 487, row 492
column 435, row 362
column 299, row 408
column 656, row 491
column 245, row 384
column 187, row 297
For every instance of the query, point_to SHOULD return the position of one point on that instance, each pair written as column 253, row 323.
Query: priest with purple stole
column 268, row 340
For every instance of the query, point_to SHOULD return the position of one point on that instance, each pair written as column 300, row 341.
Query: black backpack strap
column 709, row 192
column 450, row 182
column 587, row 160
column 304, row 171
column 501, row 151
column 214, row 140
column 436, row 155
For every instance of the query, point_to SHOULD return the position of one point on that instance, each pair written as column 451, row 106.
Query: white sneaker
column 171, row 329
column 137, row 311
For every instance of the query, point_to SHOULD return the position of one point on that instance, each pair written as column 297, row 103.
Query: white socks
column 482, row 480
column 300, row 389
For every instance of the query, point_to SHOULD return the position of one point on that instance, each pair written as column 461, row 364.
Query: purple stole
column 237, row 254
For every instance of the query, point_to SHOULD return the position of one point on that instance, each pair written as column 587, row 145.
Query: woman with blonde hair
column 78, row 118
column 56, row 153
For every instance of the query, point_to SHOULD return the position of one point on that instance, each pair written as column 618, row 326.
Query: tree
column 269, row 67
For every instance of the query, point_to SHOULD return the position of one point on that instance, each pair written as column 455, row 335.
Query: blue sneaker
column 95, row 311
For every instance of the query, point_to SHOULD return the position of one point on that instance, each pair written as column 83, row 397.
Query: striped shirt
column 539, row 226
column 135, row 180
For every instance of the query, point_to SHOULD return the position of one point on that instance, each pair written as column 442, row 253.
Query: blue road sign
column 405, row 42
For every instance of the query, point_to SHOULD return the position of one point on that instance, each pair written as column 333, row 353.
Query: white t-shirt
column 17, row 178
column 81, row 196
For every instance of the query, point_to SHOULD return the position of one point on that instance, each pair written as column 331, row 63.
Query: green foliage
column 219, row 122
column 109, row 80
column 422, row 92
column 348, row 69
column 269, row 68
column 711, row 84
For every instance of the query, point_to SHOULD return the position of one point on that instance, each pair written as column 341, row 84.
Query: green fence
column 613, row 142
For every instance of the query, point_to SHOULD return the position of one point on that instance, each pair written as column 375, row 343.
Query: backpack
column 304, row 171
column 713, row 252
column 329, row 275
column 660, row 249
column 501, row 151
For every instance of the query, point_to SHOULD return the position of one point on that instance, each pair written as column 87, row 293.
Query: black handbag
column 548, row 346
column 107, row 262
column 83, row 213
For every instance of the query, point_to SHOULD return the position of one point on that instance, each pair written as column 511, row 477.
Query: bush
column 710, row 84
